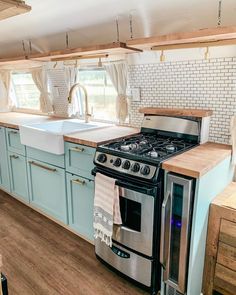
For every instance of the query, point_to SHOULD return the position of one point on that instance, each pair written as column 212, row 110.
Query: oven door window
column 131, row 213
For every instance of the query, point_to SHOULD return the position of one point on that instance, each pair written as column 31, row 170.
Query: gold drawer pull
column 78, row 181
column 13, row 132
column 77, row 149
column 14, row 157
column 42, row 166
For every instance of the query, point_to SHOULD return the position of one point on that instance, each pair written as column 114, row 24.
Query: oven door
column 137, row 212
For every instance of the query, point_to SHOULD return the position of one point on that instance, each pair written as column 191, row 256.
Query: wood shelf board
column 106, row 49
column 199, row 36
column 115, row 48
column 9, row 8
column 176, row 112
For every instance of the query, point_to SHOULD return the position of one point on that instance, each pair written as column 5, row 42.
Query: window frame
column 21, row 109
column 94, row 68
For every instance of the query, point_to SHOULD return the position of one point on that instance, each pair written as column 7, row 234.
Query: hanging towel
column 233, row 138
column 106, row 208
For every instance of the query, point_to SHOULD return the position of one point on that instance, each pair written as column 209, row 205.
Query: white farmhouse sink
column 48, row 137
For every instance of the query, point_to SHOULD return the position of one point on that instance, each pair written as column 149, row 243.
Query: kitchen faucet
column 70, row 97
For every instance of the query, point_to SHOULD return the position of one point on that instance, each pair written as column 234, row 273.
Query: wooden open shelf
column 218, row 36
column 115, row 48
column 9, row 8
column 176, row 112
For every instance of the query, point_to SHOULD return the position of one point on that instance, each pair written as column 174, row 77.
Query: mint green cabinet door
column 4, row 172
column 47, row 189
column 80, row 193
column 18, row 176
column 79, row 159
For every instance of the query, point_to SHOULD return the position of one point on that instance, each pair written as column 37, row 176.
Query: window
column 25, row 91
column 101, row 92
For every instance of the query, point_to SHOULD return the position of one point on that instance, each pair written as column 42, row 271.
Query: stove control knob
column 145, row 170
column 102, row 158
column 117, row 162
column 126, row 165
column 135, row 167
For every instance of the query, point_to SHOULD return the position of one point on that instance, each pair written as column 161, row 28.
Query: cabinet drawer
column 57, row 160
column 18, row 176
column 47, row 189
column 79, row 159
column 80, row 193
column 228, row 232
column 13, row 142
column 225, row 280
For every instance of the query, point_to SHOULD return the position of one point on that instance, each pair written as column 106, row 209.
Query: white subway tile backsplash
column 209, row 84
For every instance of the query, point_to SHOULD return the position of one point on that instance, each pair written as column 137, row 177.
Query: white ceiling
column 93, row 21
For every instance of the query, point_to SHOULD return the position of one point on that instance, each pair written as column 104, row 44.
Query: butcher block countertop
column 97, row 137
column 89, row 137
column 199, row 160
column 14, row 120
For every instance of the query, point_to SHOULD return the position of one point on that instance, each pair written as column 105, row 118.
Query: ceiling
column 93, row 21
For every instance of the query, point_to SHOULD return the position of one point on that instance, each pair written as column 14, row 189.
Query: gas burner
column 170, row 148
column 125, row 148
column 153, row 154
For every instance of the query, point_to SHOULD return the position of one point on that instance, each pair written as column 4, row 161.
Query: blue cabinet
column 4, row 173
column 47, row 189
column 80, row 193
column 18, row 176
column 79, row 159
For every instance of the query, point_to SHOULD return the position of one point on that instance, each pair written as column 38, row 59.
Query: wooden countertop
column 14, row 120
column 90, row 137
column 199, row 160
column 176, row 112
column 96, row 137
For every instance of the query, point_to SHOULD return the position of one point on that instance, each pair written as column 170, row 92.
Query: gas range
column 141, row 155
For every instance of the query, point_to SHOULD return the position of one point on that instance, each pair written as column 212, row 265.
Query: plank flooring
column 42, row 258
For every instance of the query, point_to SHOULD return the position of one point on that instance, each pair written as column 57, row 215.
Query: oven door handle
column 165, row 233
column 130, row 186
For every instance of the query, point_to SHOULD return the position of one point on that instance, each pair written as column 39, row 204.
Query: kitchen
column 117, row 138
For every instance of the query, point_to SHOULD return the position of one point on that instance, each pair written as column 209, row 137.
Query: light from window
column 25, row 91
column 101, row 93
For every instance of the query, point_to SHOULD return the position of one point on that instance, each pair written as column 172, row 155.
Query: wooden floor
column 42, row 258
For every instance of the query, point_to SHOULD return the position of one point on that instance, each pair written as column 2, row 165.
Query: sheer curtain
column 5, row 102
column 40, row 79
column 118, row 73
column 71, row 74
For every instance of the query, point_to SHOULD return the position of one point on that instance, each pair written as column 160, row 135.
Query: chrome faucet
column 70, row 97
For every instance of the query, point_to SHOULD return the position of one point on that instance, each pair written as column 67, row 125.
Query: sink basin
column 48, row 137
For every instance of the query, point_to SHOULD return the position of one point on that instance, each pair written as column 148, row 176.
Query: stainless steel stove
column 136, row 164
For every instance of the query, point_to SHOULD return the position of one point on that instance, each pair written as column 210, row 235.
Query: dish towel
column 106, row 208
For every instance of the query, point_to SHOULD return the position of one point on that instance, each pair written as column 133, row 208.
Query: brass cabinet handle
column 79, row 181
column 13, row 132
column 14, row 156
column 42, row 166
column 77, row 149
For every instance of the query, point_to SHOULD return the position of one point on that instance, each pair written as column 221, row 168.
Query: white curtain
column 40, row 79
column 118, row 73
column 5, row 101
column 71, row 74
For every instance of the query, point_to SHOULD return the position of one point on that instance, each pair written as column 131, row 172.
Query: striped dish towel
column 106, row 208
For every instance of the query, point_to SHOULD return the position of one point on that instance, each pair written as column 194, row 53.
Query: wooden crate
column 220, row 259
